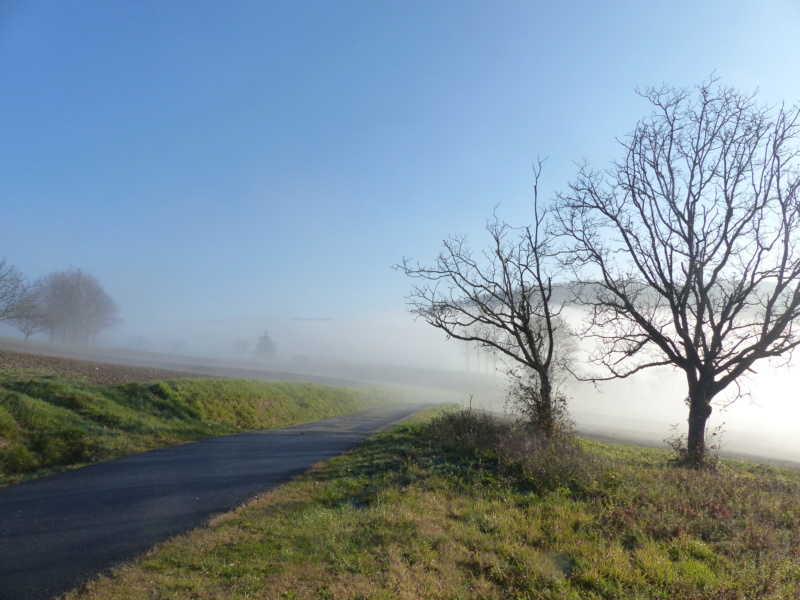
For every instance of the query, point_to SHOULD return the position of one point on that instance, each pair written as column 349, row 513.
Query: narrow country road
column 58, row 531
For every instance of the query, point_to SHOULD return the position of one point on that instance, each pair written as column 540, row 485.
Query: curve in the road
column 59, row 531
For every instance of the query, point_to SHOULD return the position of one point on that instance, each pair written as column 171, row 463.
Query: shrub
column 707, row 459
column 543, row 414
column 515, row 450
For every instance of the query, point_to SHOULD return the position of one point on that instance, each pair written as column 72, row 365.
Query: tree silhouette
column 686, row 252
column 265, row 347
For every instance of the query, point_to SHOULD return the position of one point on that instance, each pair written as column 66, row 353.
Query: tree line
column 684, row 253
column 71, row 306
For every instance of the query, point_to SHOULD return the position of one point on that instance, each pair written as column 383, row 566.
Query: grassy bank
column 463, row 507
column 49, row 423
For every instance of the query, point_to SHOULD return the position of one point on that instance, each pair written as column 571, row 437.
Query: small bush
column 709, row 457
column 546, row 416
column 517, row 452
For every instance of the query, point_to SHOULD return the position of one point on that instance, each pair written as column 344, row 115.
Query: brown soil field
column 96, row 372
column 112, row 366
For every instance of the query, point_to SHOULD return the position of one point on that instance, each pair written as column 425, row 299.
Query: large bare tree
column 687, row 250
column 502, row 300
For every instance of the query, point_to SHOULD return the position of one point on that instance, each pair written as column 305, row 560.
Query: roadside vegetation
column 463, row 505
column 49, row 422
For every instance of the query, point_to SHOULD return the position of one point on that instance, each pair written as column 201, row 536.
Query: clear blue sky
column 247, row 160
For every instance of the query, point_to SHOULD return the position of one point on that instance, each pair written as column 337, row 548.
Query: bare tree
column 500, row 300
column 28, row 317
column 687, row 250
column 75, row 306
column 12, row 290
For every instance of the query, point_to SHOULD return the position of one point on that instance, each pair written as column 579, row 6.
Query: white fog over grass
column 638, row 409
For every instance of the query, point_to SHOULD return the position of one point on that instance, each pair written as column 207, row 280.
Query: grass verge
column 48, row 423
column 464, row 506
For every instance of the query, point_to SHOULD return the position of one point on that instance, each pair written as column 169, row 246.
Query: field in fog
column 393, row 350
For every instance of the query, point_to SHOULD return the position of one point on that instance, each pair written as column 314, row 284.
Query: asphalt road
column 59, row 531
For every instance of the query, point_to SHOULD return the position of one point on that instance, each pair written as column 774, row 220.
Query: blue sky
column 250, row 161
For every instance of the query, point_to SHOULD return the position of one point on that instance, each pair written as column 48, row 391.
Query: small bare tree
column 13, row 289
column 28, row 317
column 502, row 300
column 687, row 250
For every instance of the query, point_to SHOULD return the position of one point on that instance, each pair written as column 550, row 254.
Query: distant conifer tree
column 265, row 347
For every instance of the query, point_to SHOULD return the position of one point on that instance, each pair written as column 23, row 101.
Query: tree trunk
column 547, row 420
column 699, row 412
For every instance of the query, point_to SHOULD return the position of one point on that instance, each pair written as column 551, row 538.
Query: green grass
column 462, row 506
column 48, row 423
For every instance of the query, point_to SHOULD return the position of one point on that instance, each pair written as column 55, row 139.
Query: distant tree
column 502, row 302
column 265, row 347
column 687, row 250
column 28, row 317
column 13, row 290
column 75, row 306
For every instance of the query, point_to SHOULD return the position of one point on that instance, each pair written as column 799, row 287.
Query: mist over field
column 763, row 422
column 393, row 349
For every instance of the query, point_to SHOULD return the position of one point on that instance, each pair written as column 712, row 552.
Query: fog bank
column 392, row 349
